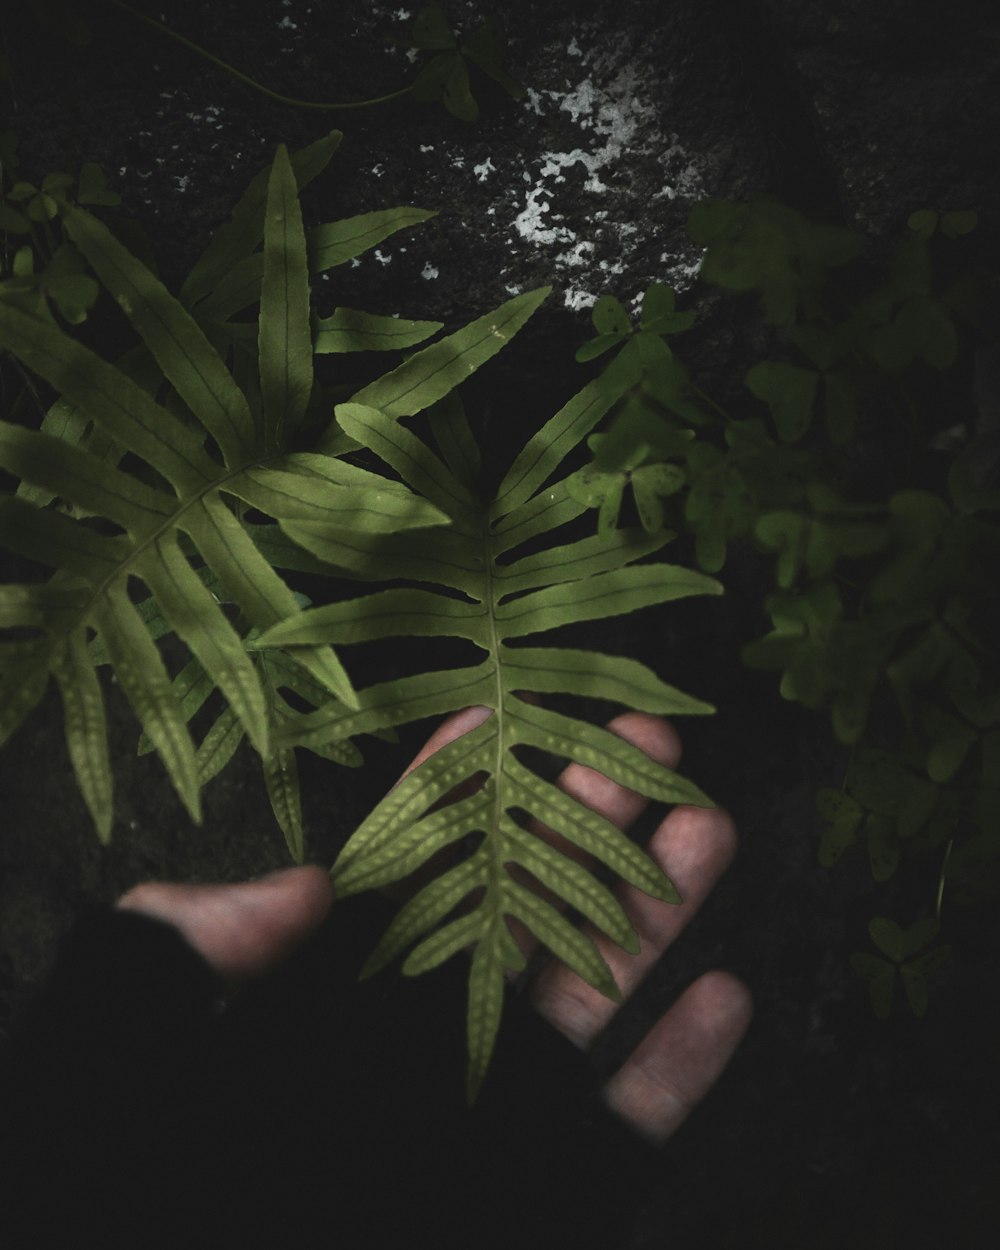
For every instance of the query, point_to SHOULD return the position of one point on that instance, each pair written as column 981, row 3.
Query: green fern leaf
column 195, row 462
column 502, row 598
column 219, row 745
column 350, row 330
column 86, row 728
column 172, row 335
column 146, row 683
column 285, row 341
column 240, row 236
column 281, row 775
column 428, row 375
column 327, row 246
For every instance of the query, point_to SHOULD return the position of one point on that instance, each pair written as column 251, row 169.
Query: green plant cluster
column 177, row 492
column 180, row 491
column 884, row 610
column 40, row 268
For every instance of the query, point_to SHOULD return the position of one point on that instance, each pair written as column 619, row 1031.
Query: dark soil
column 830, row 1128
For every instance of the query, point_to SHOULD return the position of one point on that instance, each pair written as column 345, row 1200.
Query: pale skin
column 248, row 928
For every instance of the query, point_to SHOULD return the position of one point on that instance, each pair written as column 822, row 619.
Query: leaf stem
column 707, row 399
column 944, row 865
column 252, row 82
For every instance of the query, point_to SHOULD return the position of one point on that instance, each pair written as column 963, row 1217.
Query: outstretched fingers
column 652, row 735
column 694, row 846
column 684, row 1053
column 681, row 1057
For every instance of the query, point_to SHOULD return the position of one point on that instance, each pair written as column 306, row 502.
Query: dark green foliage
column 191, row 467
column 500, row 598
column 145, row 490
column 445, row 76
column 43, row 271
column 883, row 606
column 900, row 954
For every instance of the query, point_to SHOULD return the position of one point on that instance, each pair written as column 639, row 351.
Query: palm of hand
column 243, row 930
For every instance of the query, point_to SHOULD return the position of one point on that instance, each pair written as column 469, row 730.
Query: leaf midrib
column 170, row 524
column 490, row 596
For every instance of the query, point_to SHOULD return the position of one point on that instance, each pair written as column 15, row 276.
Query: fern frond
column 502, row 597
column 163, row 488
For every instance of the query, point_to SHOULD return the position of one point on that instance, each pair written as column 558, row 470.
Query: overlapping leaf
column 158, row 493
column 479, row 586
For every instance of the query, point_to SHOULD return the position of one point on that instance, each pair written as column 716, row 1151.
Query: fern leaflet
column 120, row 492
column 478, row 589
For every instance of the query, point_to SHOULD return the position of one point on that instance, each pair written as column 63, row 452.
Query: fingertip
column 682, row 1056
column 707, row 835
column 728, row 1001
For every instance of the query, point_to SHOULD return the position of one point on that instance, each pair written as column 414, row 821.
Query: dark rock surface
column 829, row 1129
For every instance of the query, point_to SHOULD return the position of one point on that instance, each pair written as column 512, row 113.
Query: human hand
column 245, row 929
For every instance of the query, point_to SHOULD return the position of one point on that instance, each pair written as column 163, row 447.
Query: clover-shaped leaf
column 667, row 381
column 445, row 76
column 39, row 204
column 821, row 655
column 487, row 46
column 63, row 281
column 815, row 543
column 650, row 484
column 651, row 480
column 836, row 391
column 951, row 742
column 918, row 520
column 789, row 391
column 766, row 247
column 613, row 327
column 659, row 315
column 925, row 221
column 786, row 533
column 92, row 187
column 431, row 30
column 883, row 784
column 609, row 317
column 899, row 944
column 914, row 976
column 958, row 222
column 719, row 505
column 843, row 817
column 923, row 327
column 899, row 948
column 906, row 321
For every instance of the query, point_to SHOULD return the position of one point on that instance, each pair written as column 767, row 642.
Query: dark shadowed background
column 830, row 1128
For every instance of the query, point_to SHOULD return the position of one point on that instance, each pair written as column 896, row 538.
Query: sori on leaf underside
column 144, row 487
